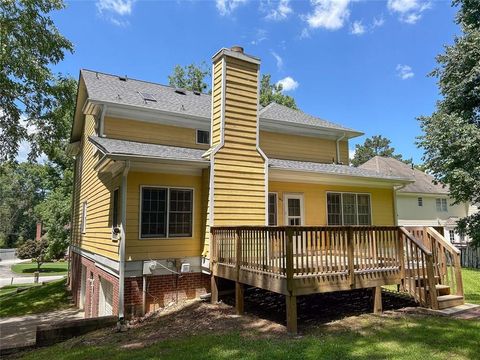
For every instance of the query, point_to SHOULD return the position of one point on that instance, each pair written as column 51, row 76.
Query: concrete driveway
column 8, row 277
column 19, row 331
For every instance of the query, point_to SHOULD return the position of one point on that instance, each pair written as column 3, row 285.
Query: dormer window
column 203, row 137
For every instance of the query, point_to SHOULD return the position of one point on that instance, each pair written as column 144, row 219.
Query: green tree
column 35, row 250
column 377, row 145
column 451, row 135
column 273, row 93
column 30, row 43
column 191, row 77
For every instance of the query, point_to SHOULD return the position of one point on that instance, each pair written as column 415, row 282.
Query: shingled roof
column 423, row 183
column 120, row 90
column 332, row 169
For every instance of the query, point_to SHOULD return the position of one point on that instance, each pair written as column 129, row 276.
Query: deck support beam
column 214, row 290
column 239, row 298
column 377, row 299
column 291, row 304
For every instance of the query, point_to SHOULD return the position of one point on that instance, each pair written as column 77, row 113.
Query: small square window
column 420, row 201
column 203, row 137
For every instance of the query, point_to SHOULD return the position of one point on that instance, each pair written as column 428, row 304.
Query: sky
column 359, row 63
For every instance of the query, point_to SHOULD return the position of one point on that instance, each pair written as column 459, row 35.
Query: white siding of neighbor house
column 409, row 213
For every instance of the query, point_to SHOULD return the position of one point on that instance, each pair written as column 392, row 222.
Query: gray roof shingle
column 423, row 183
column 332, row 169
column 109, row 88
column 132, row 148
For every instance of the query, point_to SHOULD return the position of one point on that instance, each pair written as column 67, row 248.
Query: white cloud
column 288, row 83
column 351, row 153
column 409, row 11
column 115, row 10
column 279, row 11
column 260, row 35
column 278, row 59
column 404, row 72
column 328, row 14
column 305, row 34
column 357, row 28
column 226, row 7
column 378, row 22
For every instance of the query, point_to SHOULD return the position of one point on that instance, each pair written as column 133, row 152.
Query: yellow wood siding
column 95, row 189
column 315, row 201
column 239, row 169
column 161, row 248
column 217, row 104
column 147, row 132
column 302, row 148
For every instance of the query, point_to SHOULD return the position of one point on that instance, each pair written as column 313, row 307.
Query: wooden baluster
column 431, row 282
column 351, row 259
column 290, row 298
column 401, row 259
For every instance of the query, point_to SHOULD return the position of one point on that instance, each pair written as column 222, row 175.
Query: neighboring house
column 156, row 167
column 423, row 202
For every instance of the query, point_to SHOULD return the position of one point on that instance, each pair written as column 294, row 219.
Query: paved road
column 6, row 274
column 20, row 330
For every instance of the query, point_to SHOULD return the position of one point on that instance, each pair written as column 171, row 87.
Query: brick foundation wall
column 162, row 289
column 92, row 288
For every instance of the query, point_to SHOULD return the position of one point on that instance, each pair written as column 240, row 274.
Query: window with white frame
column 348, row 209
column 166, row 212
column 452, row 235
column 272, row 209
column 441, row 205
column 83, row 220
column 420, row 201
column 203, row 137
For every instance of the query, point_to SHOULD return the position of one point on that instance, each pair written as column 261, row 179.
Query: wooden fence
column 469, row 256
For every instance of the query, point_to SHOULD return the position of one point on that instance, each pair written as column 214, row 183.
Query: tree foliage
column 191, row 77
column 377, row 145
column 451, row 138
column 30, row 44
column 35, row 250
column 273, row 93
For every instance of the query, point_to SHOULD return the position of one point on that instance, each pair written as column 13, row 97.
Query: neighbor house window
column 348, row 209
column 272, row 209
column 83, row 220
column 203, row 137
column 166, row 212
column 441, row 205
column 115, row 220
column 452, row 236
column 420, row 201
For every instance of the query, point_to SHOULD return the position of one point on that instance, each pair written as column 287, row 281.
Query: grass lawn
column 13, row 288
column 471, row 285
column 358, row 337
column 37, row 299
column 49, row 268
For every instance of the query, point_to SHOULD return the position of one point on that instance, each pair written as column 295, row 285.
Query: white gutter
column 121, row 287
column 101, row 125
column 395, row 206
column 338, row 147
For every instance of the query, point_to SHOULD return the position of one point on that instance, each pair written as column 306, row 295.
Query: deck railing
column 306, row 259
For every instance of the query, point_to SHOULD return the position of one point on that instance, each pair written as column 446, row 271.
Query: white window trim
column 341, row 205
column 167, row 237
column 300, row 196
column 276, row 207
column 196, row 137
column 83, row 223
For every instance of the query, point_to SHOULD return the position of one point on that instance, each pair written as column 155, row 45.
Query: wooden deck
column 304, row 260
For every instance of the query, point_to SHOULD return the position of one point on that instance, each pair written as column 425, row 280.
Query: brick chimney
column 238, row 174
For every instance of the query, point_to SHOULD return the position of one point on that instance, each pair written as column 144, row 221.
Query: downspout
column 101, row 125
column 338, row 146
column 121, row 290
column 72, row 216
column 395, row 206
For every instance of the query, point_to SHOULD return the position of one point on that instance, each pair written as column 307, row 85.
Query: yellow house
column 157, row 167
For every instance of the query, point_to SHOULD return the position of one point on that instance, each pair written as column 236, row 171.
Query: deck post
column 377, row 299
column 351, row 256
column 401, row 259
column 290, row 298
column 431, row 282
column 291, row 304
column 239, row 298
column 214, row 291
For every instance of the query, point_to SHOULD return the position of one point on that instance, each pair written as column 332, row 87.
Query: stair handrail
column 442, row 240
column 415, row 241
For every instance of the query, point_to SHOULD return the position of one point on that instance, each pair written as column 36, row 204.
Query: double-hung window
column 348, row 209
column 441, row 205
column 166, row 212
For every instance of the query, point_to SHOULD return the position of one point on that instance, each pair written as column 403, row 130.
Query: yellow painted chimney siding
column 95, row 189
column 238, row 175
